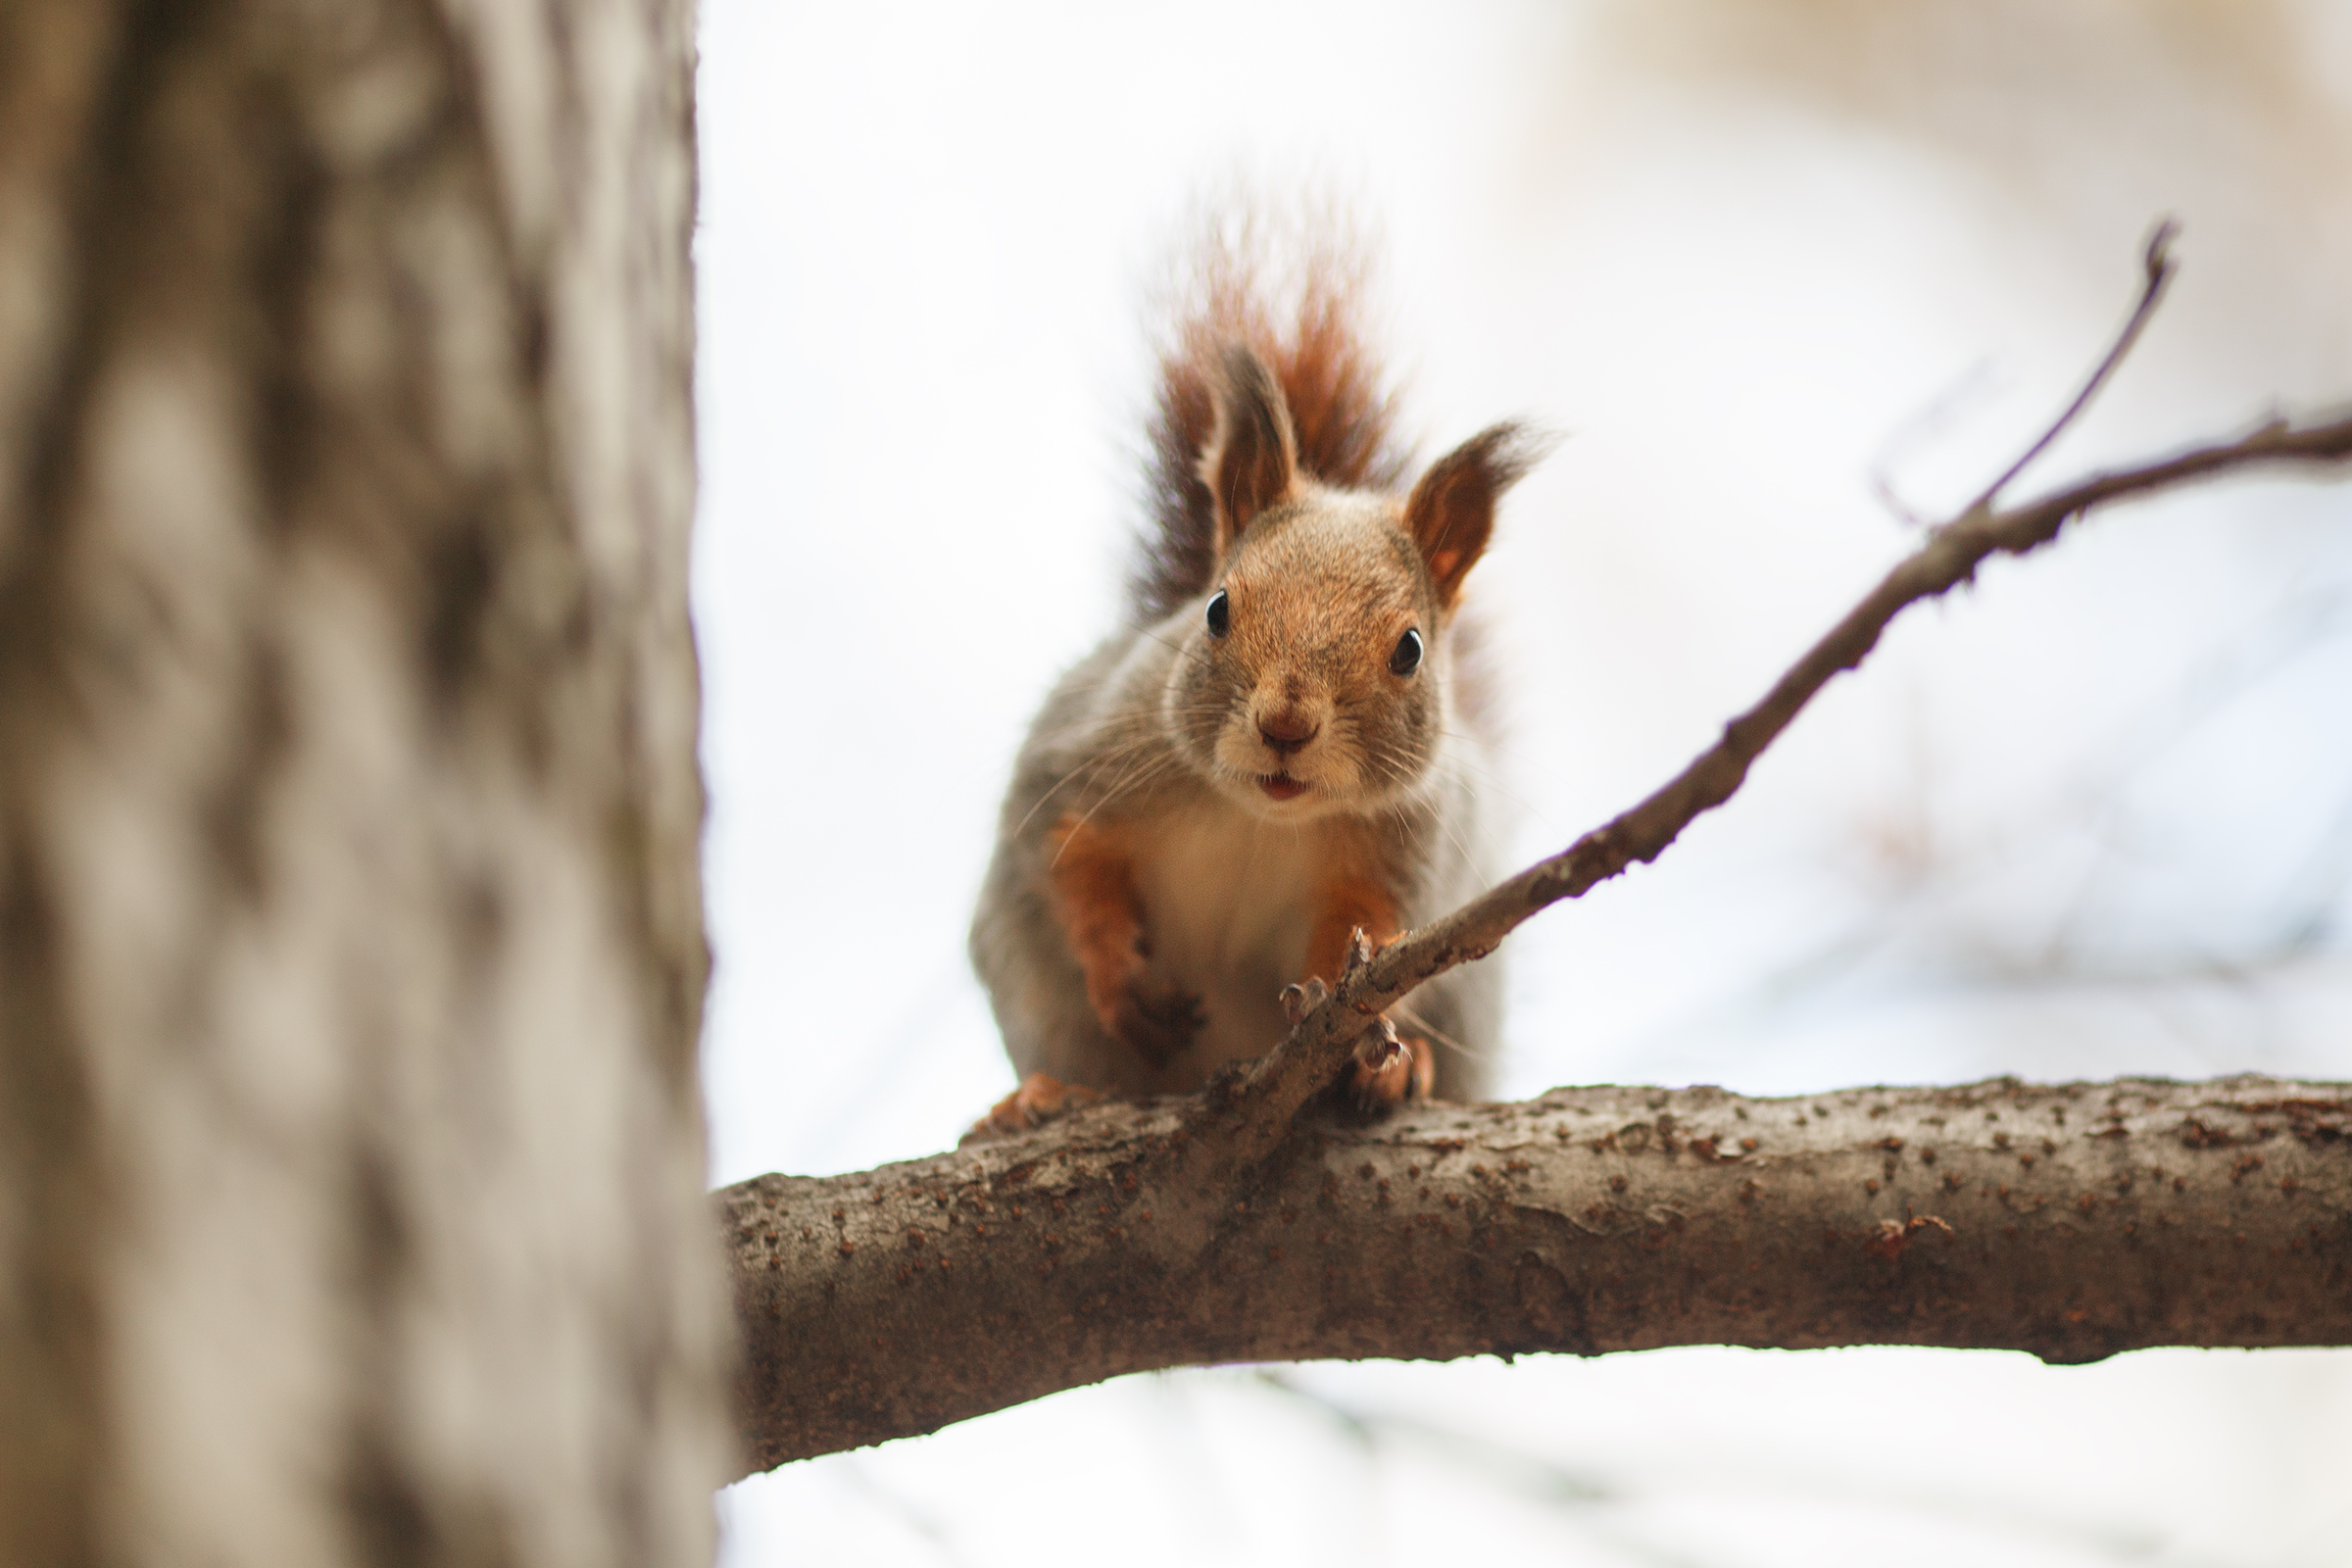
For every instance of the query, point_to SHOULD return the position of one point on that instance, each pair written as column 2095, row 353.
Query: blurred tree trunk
column 351, row 956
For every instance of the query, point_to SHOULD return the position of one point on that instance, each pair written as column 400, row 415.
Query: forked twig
column 2158, row 267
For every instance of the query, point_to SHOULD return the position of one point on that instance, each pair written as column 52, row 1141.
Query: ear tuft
column 1452, row 512
column 1253, row 454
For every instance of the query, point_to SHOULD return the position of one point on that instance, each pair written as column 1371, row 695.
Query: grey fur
column 1130, row 736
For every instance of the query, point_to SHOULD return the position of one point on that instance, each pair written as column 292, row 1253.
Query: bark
column 2071, row 1221
column 351, row 957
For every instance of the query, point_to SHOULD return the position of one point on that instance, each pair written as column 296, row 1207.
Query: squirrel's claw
column 1390, row 1069
column 1379, row 1046
column 1299, row 999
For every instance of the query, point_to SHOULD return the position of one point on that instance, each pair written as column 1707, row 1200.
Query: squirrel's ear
column 1451, row 511
column 1254, row 452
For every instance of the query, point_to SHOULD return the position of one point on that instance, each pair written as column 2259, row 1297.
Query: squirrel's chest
column 1228, row 901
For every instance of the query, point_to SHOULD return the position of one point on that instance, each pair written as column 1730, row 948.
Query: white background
column 2090, row 817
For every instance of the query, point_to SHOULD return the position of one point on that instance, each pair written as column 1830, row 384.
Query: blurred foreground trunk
column 351, row 956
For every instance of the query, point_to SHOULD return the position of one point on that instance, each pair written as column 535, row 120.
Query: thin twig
column 2157, row 267
column 1318, row 1045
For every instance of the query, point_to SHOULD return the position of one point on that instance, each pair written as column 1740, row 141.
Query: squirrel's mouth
column 1282, row 787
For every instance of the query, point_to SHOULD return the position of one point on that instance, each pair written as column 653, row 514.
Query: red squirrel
column 1284, row 745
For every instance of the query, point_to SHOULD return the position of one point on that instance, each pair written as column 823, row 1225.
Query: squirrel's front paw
column 1407, row 1074
column 1157, row 1022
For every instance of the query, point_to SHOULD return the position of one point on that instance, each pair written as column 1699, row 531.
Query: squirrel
column 1288, row 742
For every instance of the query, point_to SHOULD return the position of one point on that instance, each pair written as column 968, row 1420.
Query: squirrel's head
column 1314, row 677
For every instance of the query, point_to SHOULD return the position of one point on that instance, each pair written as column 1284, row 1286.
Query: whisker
column 1144, row 721
column 1487, row 780
column 1405, row 1012
column 1135, row 777
column 1471, row 746
column 1095, row 764
column 1398, row 765
column 1447, row 828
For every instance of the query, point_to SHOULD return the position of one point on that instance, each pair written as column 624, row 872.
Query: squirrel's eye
column 1220, row 614
column 1407, row 657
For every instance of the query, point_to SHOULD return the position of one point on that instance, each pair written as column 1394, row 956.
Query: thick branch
column 2073, row 1222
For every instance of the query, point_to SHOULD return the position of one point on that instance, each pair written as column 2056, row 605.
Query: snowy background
column 2092, row 817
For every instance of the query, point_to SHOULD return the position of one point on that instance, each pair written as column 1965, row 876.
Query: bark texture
column 351, row 956
column 2071, row 1221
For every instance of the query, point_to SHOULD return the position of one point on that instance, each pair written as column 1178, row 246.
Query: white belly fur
column 1226, row 910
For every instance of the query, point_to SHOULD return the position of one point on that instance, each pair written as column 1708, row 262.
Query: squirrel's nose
column 1287, row 732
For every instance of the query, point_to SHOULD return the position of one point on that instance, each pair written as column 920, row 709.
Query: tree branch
column 2156, row 268
column 2071, row 1222
column 1318, row 1045
column 1244, row 1223
column 1312, row 1054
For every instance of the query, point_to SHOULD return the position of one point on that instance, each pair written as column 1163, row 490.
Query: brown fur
column 1101, row 915
column 1094, row 899
column 1451, row 510
column 1252, row 459
column 1311, row 334
column 1352, row 898
column 1355, row 896
column 1039, row 1099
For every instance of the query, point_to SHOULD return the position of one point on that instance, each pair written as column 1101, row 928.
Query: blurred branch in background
column 909, row 1515
column 1582, row 1497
